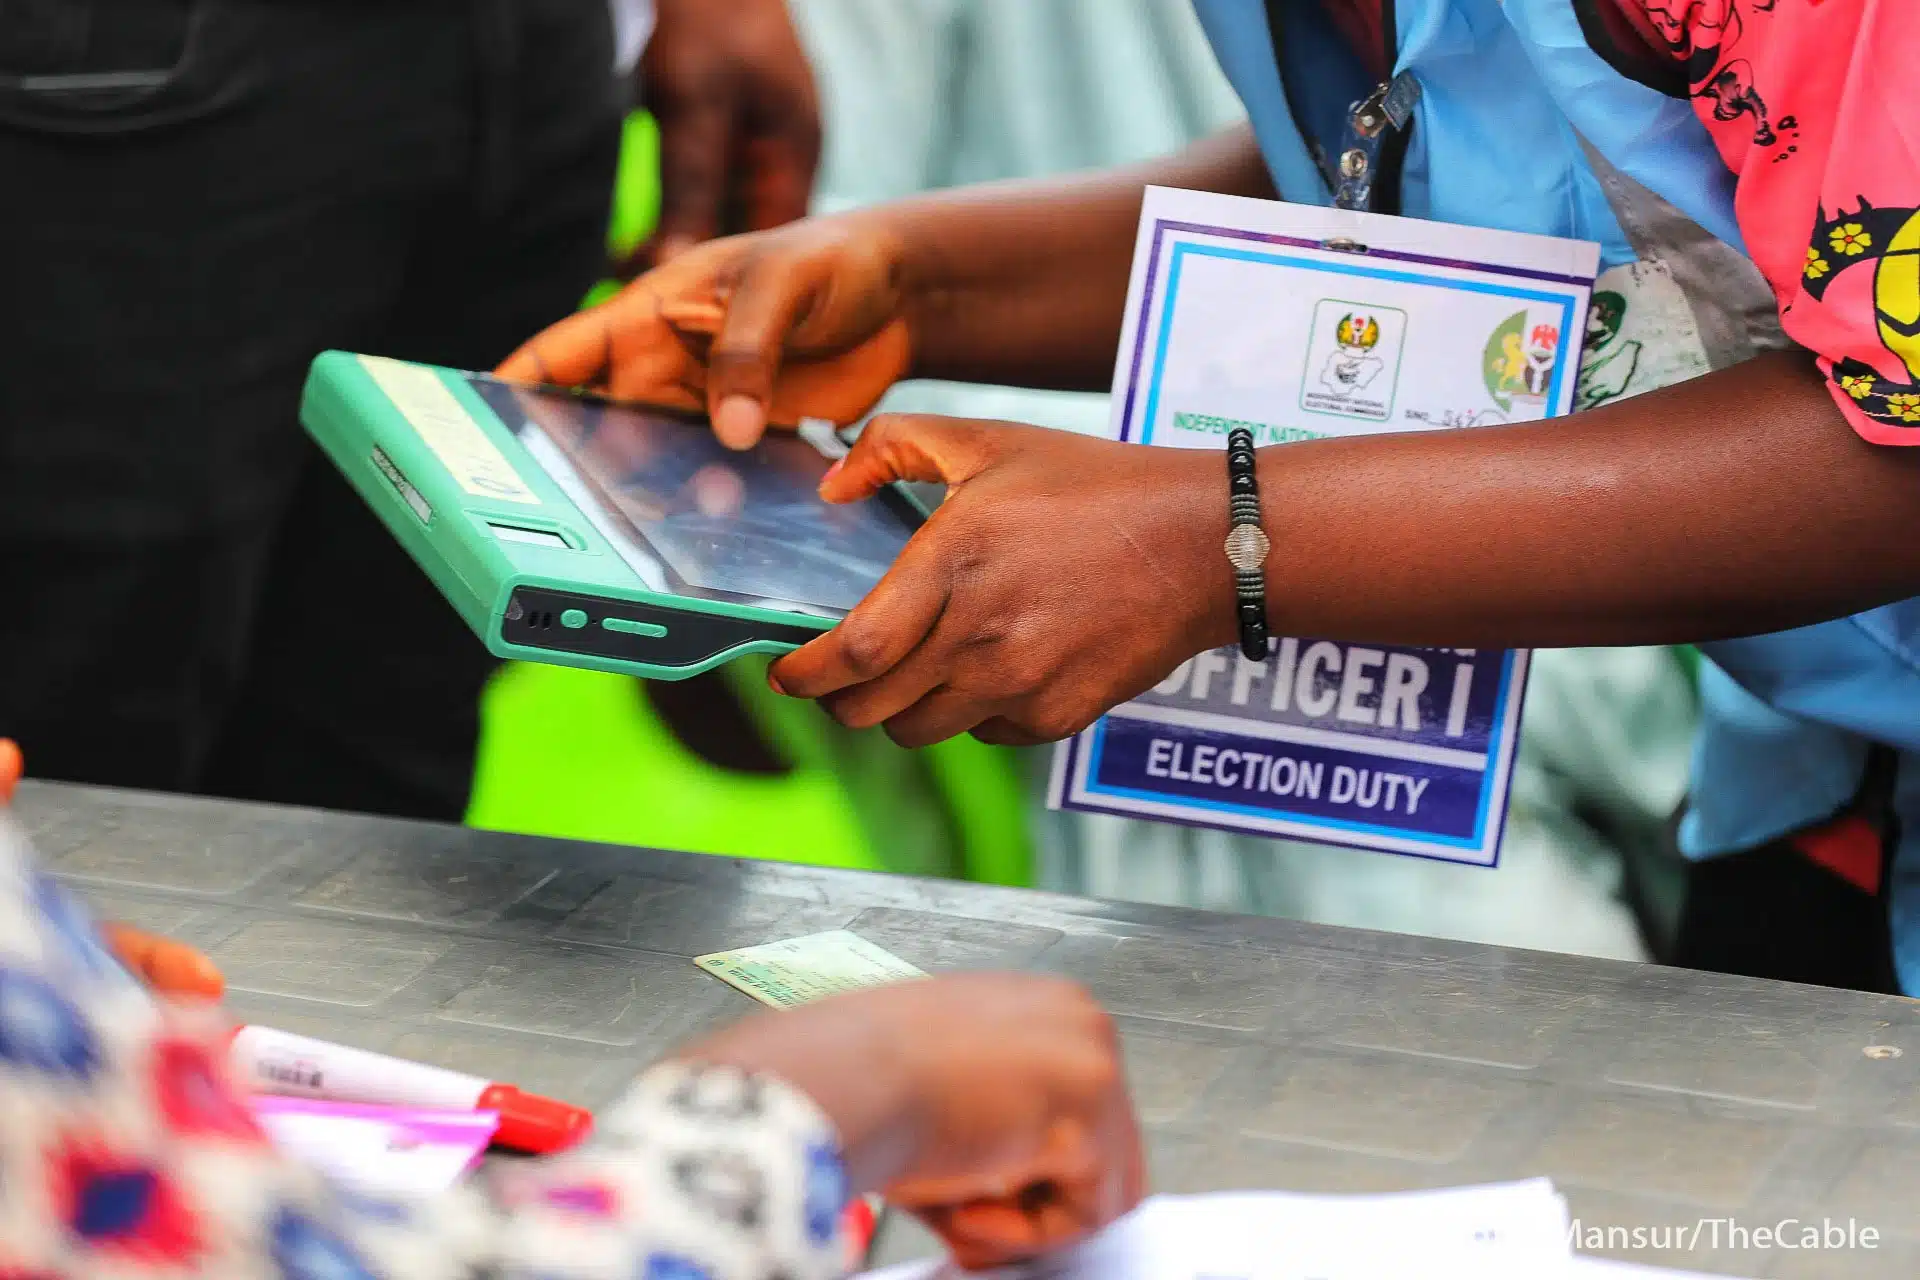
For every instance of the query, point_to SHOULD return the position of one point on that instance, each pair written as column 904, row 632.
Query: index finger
column 11, row 767
column 744, row 361
column 877, row 636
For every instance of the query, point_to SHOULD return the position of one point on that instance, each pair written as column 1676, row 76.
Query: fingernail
column 672, row 246
column 773, row 683
column 738, row 421
column 839, row 464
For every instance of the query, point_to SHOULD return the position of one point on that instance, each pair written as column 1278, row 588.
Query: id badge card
column 1297, row 323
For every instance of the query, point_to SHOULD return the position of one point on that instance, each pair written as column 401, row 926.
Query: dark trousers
column 196, row 197
column 1811, row 907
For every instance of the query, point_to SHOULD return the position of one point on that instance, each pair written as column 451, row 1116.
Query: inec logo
column 1353, row 360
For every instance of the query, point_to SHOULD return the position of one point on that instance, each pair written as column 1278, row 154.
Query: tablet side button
column 574, row 619
column 628, row 627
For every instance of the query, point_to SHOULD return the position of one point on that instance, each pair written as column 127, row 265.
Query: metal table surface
column 1263, row 1053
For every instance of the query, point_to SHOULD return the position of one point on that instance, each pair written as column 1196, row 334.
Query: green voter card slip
column 576, row 531
column 794, row 971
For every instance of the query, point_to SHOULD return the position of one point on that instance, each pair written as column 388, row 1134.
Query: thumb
column 11, row 767
column 916, row 447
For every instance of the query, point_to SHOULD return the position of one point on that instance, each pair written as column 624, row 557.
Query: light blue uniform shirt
column 1507, row 93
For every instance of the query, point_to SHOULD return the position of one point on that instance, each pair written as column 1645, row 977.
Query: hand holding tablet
column 573, row 530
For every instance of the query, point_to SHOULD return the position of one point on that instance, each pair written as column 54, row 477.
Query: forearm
column 1733, row 504
column 1024, row 283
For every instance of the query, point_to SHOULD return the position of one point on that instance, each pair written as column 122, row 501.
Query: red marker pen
column 279, row 1062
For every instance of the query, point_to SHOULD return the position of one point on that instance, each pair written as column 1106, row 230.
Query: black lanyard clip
column 1388, row 108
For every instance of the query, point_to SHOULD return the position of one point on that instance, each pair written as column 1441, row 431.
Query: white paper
column 1506, row 1231
column 1585, row 1268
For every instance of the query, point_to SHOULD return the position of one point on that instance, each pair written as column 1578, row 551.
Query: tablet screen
column 742, row 527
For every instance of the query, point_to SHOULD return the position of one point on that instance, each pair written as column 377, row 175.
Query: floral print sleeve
column 126, row 1151
column 1811, row 104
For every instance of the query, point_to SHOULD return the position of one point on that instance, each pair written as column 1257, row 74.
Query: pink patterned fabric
column 125, row 1150
column 1810, row 103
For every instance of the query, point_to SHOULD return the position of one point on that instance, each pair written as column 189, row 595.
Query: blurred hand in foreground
column 730, row 88
column 994, row 1106
column 168, row 967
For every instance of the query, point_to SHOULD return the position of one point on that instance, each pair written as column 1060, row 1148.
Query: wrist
column 1209, row 608
column 926, row 282
column 877, row 1112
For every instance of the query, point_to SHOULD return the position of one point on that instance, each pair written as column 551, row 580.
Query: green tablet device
column 577, row 531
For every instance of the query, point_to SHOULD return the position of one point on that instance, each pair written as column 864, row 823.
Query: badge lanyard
column 1374, row 134
column 1381, row 116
